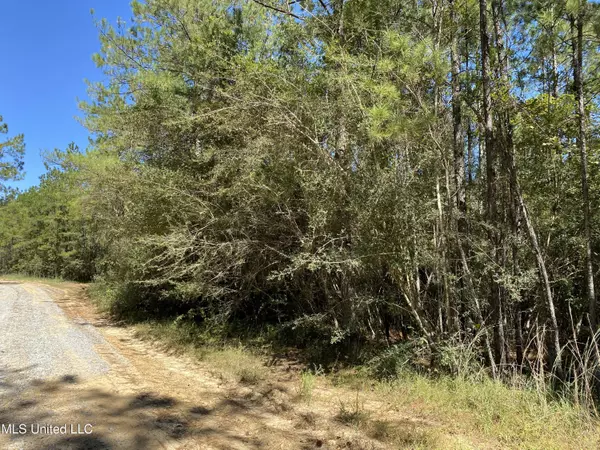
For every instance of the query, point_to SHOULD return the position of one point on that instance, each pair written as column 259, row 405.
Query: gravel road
column 40, row 342
column 63, row 385
column 72, row 379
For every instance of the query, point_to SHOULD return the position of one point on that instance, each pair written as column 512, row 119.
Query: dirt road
column 58, row 367
column 70, row 379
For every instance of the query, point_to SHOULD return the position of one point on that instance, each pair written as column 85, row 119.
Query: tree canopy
column 352, row 173
column 11, row 157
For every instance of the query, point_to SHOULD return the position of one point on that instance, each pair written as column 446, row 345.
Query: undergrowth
column 456, row 398
column 28, row 278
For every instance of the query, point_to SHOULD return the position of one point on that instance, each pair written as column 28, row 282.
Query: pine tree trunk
column 517, row 203
column 577, row 23
column 491, row 181
column 458, row 149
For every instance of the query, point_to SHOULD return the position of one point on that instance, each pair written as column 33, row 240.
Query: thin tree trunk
column 519, row 334
column 554, row 67
column 491, row 180
column 478, row 312
column 443, row 266
column 582, row 145
column 539, row 258
column 518, row 206
column 458, row 143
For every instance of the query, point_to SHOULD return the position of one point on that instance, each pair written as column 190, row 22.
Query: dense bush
column 345, row 172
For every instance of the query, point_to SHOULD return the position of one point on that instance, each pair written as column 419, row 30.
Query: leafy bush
column 395, row 360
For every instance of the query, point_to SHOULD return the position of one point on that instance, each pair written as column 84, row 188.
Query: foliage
column 44, row 234
column 11, row 157
column 328, row 169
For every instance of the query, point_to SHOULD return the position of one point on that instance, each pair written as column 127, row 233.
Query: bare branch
column 279, row 10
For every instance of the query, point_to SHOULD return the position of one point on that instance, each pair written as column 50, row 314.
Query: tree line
column 349, row 171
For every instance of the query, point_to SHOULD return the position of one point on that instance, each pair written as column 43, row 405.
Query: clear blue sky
column 45, row 55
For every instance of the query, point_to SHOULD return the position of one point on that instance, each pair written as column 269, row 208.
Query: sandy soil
column 62, row 363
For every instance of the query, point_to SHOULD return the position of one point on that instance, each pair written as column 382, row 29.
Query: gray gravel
column 37, row 340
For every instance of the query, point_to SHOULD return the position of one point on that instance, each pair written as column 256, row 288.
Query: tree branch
column 279, row 10
column 325, row 7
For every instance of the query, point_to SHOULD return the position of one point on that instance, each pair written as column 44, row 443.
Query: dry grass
column 402, row 435
column 236, row 364
column 412, row 411
column 30, row 279
column 514, row 418
column 353, row 412
column 229, row 362
column 448, row 412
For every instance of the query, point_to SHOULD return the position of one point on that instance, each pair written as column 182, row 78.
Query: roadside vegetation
column 389, row 401
column 391, row 398
column 403, row 191
column 17, row 278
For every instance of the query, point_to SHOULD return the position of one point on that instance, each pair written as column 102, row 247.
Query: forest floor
column 64, row 363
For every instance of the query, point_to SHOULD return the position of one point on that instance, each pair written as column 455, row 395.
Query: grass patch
column 31, row 279
column 353, row 413
column 402, row 434
column 228, row 361
column 307, row 385
column 513, row 417
column 238, row 364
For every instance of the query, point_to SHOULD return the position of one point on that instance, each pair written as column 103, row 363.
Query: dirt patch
column 152, row 399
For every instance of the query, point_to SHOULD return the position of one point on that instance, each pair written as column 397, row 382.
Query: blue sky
column 45, row 53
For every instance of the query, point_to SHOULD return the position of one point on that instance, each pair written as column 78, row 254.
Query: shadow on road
column 142, row 420
column 138, row 399
column 137, row 421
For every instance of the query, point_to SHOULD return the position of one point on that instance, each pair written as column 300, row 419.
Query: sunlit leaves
column 12, row 151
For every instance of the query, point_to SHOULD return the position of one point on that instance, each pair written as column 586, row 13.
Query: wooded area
column 357, row 174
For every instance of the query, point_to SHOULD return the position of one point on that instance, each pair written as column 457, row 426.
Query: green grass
column 228, row 361
column 513, row 417
column 450, row 412
column 31, row 279
column 307, row 385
